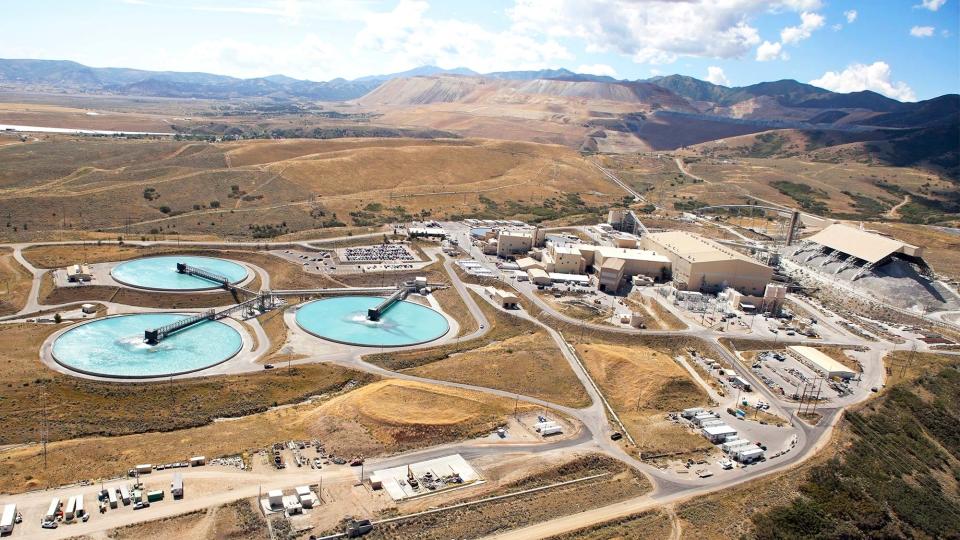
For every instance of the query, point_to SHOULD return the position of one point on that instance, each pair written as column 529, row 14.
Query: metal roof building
column 847, row 248
column 864, row 245
column 816, row 359
column 700, row 264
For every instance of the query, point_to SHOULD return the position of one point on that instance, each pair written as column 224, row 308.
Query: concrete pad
column 394, row 480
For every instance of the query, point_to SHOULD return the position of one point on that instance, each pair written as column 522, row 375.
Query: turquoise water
column 344, row 319
column 161, row 272
column 114, row 346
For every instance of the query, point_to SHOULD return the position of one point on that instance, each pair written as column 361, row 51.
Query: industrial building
column 700, row 264
column 816, row 359
column 511, row 243
column 79, row 273
column 718, row 433
column 613, row 265
column 504, row 299
column 623, row 219
column 539, row 277
column 859, row 250
column 563, row 260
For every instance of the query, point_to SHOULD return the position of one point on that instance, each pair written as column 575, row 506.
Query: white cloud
column 653, row 31
column 857, row 77
column 716, row 75
column 411, row 38
column 837, row 27
column 809, row 22
column 314, row 59
column 596, row 69
column 851, row 15
column 932, row 5
column 922, row 31
column 770, row 51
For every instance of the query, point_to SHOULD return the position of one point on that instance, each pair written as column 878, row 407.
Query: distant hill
column 563, row 107
column 421, row 71
column 450, row 89
column 692, row 88
column 63, row 75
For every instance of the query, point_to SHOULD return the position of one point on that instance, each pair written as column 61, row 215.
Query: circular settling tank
column 114, row 346
column 161, row 272
column 344, row 320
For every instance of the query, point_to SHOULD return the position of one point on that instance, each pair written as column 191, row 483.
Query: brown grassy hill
column 474, row 90
column 270, row 188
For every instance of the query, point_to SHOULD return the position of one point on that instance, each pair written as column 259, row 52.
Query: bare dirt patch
column 529, row 364
column 619, row 483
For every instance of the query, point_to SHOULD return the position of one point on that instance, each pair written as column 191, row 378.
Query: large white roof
column 868, row 246
column 821, row 360
column 695, row 248
column 720, row 430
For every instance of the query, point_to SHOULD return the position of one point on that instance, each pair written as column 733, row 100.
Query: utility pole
column 819, row 386
column 43, row 429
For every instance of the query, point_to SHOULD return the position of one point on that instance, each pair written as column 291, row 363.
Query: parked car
column 616, row 436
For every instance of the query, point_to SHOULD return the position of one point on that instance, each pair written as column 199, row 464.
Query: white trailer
column 8, row 519
column 197, row 461
column 78, row 508
column 112, row 497
column 52, row 510
column 734, row 444
column 551, row 430
column 71, row 507
column 125, row 494
column 145, row 468
column 176, row 486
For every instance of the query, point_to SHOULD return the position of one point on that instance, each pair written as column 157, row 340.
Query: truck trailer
column 124, row 494
column 52, row 510
column 69, row 510
column 8, row 519
column 176, row 486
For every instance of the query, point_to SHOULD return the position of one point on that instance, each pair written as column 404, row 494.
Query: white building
column 816, row 359
column 718, row 434
column 513, row 243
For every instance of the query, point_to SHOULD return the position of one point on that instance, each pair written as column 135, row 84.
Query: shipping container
column 155, row 496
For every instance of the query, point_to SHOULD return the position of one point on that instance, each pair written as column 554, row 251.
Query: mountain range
column 657, row 113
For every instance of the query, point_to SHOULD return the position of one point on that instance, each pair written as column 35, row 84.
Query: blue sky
column 907, row 49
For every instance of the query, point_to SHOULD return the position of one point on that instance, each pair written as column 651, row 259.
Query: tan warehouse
column 613, row 264
column 816, row 359
column 700, row 264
